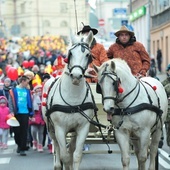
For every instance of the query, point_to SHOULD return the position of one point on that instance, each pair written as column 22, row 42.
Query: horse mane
column 120, row 65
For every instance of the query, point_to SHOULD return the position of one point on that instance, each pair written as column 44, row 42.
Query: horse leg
column 154, row 147
column 64, row 154
column 57, row 163
column 136, row 148
column 122, row 138
column 72, row 147
column 144, row 140
column 81, row 137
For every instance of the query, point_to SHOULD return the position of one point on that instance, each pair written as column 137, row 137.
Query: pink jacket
column 4, row 111
column 37, row 118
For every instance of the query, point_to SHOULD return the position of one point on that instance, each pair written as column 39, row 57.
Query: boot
column 40, row 148
column 50, row 148
column 34, row 145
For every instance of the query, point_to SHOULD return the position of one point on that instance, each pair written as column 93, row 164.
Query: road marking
column 5, row 160
column 7, row 151
column 165, row 154
column 164, row 163
column 11, row 142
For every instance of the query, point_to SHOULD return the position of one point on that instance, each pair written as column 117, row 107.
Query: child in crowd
column 37, row 123
column 4, row 127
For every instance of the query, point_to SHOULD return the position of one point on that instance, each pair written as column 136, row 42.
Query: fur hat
column 29, row 74
column 124, row 29
column 87, row 28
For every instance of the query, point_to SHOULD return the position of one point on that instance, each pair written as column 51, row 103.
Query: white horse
column 69, row 105
column 138, row 108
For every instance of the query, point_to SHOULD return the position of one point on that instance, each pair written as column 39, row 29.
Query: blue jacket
column 13, row 100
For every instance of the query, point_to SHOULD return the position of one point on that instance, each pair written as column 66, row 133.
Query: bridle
column 116, row 83
column 84, row 46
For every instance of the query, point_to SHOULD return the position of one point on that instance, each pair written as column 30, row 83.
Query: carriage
column 69, row 108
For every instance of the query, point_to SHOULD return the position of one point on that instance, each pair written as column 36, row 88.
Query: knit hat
column 3, row 99
column 37, row 86
column 7, row 80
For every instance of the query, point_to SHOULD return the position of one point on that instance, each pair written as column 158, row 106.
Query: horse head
column 108, row 85
column 79, row 56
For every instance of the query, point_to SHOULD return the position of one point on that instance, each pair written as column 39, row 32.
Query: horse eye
column 87, row 55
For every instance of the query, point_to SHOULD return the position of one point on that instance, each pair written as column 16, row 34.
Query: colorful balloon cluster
column 27, row 64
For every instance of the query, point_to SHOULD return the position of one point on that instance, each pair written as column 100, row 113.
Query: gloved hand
column 143, row 72
column 90, row 72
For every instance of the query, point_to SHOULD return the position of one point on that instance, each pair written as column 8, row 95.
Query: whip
column 76, row 14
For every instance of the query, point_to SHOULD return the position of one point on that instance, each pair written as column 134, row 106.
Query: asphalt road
column 10, row 160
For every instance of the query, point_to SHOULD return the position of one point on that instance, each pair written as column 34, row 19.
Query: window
column 23, row 24
column 23, row 7
column 63, row 8
column 46, row 23
column 63, row 24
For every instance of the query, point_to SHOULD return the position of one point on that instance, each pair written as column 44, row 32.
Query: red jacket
column 99, row 57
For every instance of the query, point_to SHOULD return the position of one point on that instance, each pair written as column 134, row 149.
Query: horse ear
column 96, row 68
column 113, row 66
column 73, row 37
column 89, row 38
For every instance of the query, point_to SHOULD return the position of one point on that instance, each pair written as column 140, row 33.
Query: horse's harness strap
column 138, row 108
column 69, row 109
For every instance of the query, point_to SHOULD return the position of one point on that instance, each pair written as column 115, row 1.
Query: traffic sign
column 101, row 22
column 124, row 22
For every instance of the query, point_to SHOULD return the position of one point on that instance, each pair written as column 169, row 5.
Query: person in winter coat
column 127, row 48
column 20, row 104
column 4, row 127
column 159, row 60
column 98, row 51
column 166, row 84
column 37, row 123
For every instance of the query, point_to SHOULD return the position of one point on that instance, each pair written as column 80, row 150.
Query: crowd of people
column 22, row 97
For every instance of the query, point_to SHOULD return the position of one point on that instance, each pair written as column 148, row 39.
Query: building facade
column 153, row 27
column 140, row 20
column 160, row 29
column 114, row 13
column 38, row 17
